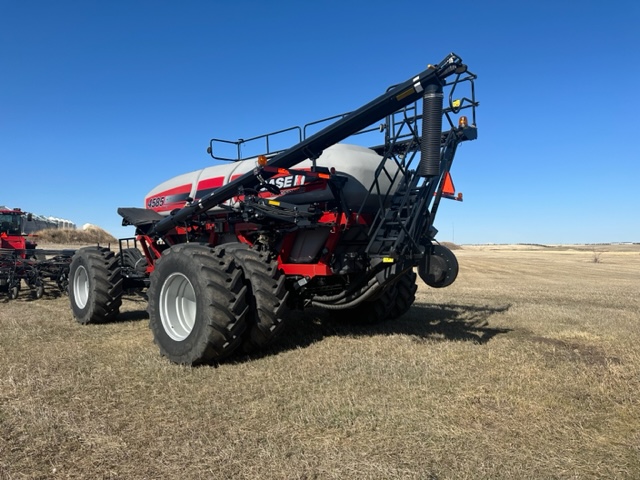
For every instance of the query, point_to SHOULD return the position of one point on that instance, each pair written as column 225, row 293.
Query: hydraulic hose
column 344, row 293
column 341, row 306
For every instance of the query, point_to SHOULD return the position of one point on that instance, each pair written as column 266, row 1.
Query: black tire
column 35, row 282
column 197, row 304
column 134, row 259
column 404, row 294
column 63, row 281
column 13, row 291
column 95, row 285
column 37, row 291
column 372, row 311
column 266, row 293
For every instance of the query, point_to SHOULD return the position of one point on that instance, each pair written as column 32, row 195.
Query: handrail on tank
column 241, row 141
column 389, row 125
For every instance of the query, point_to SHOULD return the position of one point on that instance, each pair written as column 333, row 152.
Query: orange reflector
column 463, row 122
column 283, row 171
column 448, row 188
column 262, row 160
column 323, row 175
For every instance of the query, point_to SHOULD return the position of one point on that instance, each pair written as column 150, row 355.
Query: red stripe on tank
column 207, row 183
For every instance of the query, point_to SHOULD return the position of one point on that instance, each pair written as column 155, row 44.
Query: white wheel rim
column 81, row 286
column 177, row 306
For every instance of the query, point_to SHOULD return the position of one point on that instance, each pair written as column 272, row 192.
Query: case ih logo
column 288, row 181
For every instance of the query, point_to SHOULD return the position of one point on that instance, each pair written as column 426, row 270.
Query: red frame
column 339, row 222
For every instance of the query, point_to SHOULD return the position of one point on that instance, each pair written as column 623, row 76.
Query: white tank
column 357, row 163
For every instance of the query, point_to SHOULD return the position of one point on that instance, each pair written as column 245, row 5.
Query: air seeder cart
column 228, row 249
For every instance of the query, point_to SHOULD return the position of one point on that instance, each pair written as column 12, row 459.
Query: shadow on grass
column 423, row 322
column 131, row 316
column 136, row 308
column 26, row 295
column 134, row 305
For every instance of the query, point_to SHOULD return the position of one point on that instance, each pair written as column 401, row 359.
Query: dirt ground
column 527, row 367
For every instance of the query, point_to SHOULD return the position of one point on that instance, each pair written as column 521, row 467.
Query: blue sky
column 101, row 101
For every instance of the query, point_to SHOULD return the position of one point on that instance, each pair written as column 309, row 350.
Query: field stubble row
column 527, row 367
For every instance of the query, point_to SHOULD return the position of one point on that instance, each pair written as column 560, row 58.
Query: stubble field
column 527, row 367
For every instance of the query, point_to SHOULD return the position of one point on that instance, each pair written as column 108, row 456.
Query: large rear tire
column 95, row 285
column 267, row 295
column 197, row 304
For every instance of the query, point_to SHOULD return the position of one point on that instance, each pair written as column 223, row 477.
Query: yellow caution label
column 274, row 202
column 456, row 103
column 387, row 260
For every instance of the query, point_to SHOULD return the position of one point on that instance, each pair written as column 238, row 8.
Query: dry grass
column 527, row 367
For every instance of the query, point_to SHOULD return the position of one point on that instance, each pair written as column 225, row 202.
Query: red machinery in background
column 21, row 262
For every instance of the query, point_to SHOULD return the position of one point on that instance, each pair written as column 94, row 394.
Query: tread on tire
column 197, row 304
column 95, row 285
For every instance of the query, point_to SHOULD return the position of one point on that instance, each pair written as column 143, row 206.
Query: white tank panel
column 356, row 162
